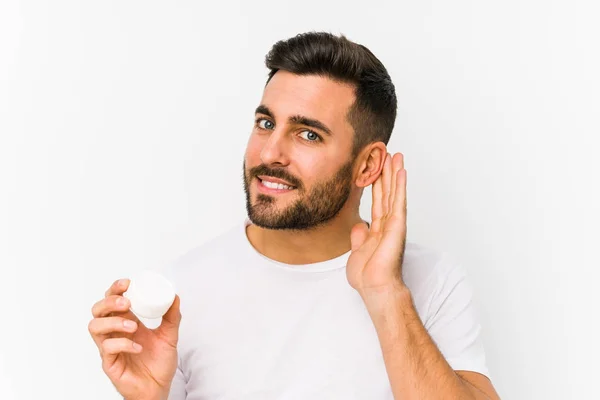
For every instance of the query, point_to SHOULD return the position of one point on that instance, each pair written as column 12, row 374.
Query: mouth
column 270, row 187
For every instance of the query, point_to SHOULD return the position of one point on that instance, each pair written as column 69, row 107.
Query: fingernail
column 136, row 346
column 129, row 324
column 121, row 301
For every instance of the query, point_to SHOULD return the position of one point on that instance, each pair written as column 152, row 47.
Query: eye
column 264, row 123
column 312, row 136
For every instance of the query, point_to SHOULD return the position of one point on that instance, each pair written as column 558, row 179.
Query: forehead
column 312, row 96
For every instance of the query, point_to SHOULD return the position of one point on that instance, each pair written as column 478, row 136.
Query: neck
column 322, row 243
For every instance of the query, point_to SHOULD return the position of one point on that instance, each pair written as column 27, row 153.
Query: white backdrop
column 123, row 125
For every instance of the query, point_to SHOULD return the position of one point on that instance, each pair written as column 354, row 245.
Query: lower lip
column 267, row 190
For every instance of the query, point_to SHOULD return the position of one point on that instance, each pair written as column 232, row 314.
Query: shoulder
column 444, row 299
column 429, row 274
column 422, row 265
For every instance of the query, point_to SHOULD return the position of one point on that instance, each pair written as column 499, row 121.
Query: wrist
column 393, row 315
column 387, row 304
column 392, row 294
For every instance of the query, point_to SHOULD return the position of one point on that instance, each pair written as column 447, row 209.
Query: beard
column 310, row 209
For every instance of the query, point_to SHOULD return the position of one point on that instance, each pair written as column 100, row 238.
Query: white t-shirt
column 253, row 328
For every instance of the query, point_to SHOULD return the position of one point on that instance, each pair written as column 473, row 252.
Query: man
column 304, row 299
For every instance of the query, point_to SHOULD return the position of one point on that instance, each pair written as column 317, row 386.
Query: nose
column 275, row 149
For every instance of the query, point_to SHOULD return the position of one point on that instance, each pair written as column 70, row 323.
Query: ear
column 370, row 164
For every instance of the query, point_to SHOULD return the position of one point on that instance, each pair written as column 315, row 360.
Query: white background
column 123, row 125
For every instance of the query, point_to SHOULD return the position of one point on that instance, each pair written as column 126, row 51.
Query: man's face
column 290, row 143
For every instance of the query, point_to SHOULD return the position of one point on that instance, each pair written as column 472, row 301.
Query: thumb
column 172, row 319
column 358, row 235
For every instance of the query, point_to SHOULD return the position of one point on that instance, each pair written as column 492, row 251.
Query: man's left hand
column 375, row 262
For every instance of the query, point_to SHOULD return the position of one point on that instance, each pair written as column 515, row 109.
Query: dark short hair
column 373, row 113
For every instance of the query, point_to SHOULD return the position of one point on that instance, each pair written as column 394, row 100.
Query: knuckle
column 105, row 366
column 105, row 346
column 96, row 308
column 92, row 326
column 109, row 304
column 112, row 345
column 117, row 302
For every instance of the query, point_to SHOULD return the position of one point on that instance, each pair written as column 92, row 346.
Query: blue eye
column 267, row 124
column 312, row 136
column 263, row 123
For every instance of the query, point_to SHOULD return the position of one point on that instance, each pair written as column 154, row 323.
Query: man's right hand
column 140, row 362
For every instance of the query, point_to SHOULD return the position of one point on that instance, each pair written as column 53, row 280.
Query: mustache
column 275, row 173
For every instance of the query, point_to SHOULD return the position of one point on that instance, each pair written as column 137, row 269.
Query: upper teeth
column 274, row 185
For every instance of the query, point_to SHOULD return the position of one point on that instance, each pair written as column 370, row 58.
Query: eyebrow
column 296, row 119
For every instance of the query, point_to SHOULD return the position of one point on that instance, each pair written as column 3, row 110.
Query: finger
column 113, row 303
column 394, row 235
column 386, row 176
column 397, row 164
column 376, row 210
column 112, row 347
column 110, row 327
column 99, row 327
column 390, row 199
column 400, row 161
column 118, row 287
column 399, row 207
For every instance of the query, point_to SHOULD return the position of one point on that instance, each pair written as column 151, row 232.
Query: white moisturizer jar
column 151, row 295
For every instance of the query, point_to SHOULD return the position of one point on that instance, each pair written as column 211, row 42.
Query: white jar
column 151, row 295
